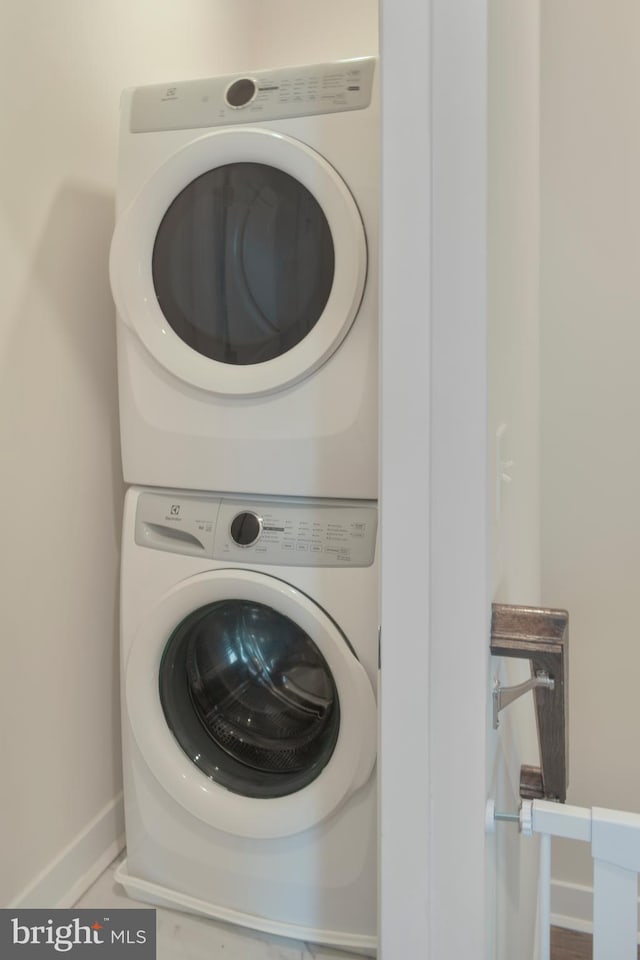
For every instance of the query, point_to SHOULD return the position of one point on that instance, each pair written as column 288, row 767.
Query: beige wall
column 590, row 300
column 62, row 66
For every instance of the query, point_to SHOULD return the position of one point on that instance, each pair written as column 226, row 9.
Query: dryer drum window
column 249, row 698
column 243, row 263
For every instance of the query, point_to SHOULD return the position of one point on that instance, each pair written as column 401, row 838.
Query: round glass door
column 249, row 698
column 247, row 704
column 243, row 263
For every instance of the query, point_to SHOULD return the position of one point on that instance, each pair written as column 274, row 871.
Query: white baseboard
column 71, row 873
column 572, row 906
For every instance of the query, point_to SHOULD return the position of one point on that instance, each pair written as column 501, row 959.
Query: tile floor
column 181, row 936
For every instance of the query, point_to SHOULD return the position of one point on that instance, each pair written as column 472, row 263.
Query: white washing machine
column 249, row 663
column 244, row 271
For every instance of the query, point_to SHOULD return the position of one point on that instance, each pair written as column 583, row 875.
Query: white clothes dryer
column 244, row 271
column 249, row 664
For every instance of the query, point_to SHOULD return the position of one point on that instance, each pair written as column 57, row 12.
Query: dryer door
column 241, row 264
column 248, row 704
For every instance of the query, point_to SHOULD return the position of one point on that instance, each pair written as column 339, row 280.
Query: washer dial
column 246, row 528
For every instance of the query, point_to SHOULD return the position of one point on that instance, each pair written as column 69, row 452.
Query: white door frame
column 435, row 582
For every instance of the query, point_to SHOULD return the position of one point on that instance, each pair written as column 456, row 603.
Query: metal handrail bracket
column 503, row 696
column 540, row 635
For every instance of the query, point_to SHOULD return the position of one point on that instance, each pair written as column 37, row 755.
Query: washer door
column 248, row 704
column 241, row 264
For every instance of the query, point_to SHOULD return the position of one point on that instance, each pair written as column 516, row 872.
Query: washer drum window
column 249, row 698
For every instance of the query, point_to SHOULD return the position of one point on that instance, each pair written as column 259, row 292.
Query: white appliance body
column 249, row 665
column 244, row 271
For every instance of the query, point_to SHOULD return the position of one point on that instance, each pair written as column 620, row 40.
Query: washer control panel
column 295, row 532
column 258, row 96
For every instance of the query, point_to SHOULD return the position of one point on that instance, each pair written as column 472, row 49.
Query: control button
column 246, row 528
column 241, row 92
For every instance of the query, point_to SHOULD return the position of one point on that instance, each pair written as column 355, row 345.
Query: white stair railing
column 615, row 847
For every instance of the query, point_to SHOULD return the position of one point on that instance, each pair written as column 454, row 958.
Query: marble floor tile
column 181, row 936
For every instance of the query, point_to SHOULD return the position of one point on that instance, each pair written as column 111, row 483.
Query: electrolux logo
column 46, row 933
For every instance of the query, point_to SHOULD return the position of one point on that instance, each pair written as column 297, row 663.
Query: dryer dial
column 241, row 92
column 246, row 527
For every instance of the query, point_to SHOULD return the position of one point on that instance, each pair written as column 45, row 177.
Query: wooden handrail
column 541, row 636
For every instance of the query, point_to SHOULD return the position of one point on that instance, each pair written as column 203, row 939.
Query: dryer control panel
column 254, row 96
column 269, row 530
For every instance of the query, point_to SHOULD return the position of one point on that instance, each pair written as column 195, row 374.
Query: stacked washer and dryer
column 244, row 272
